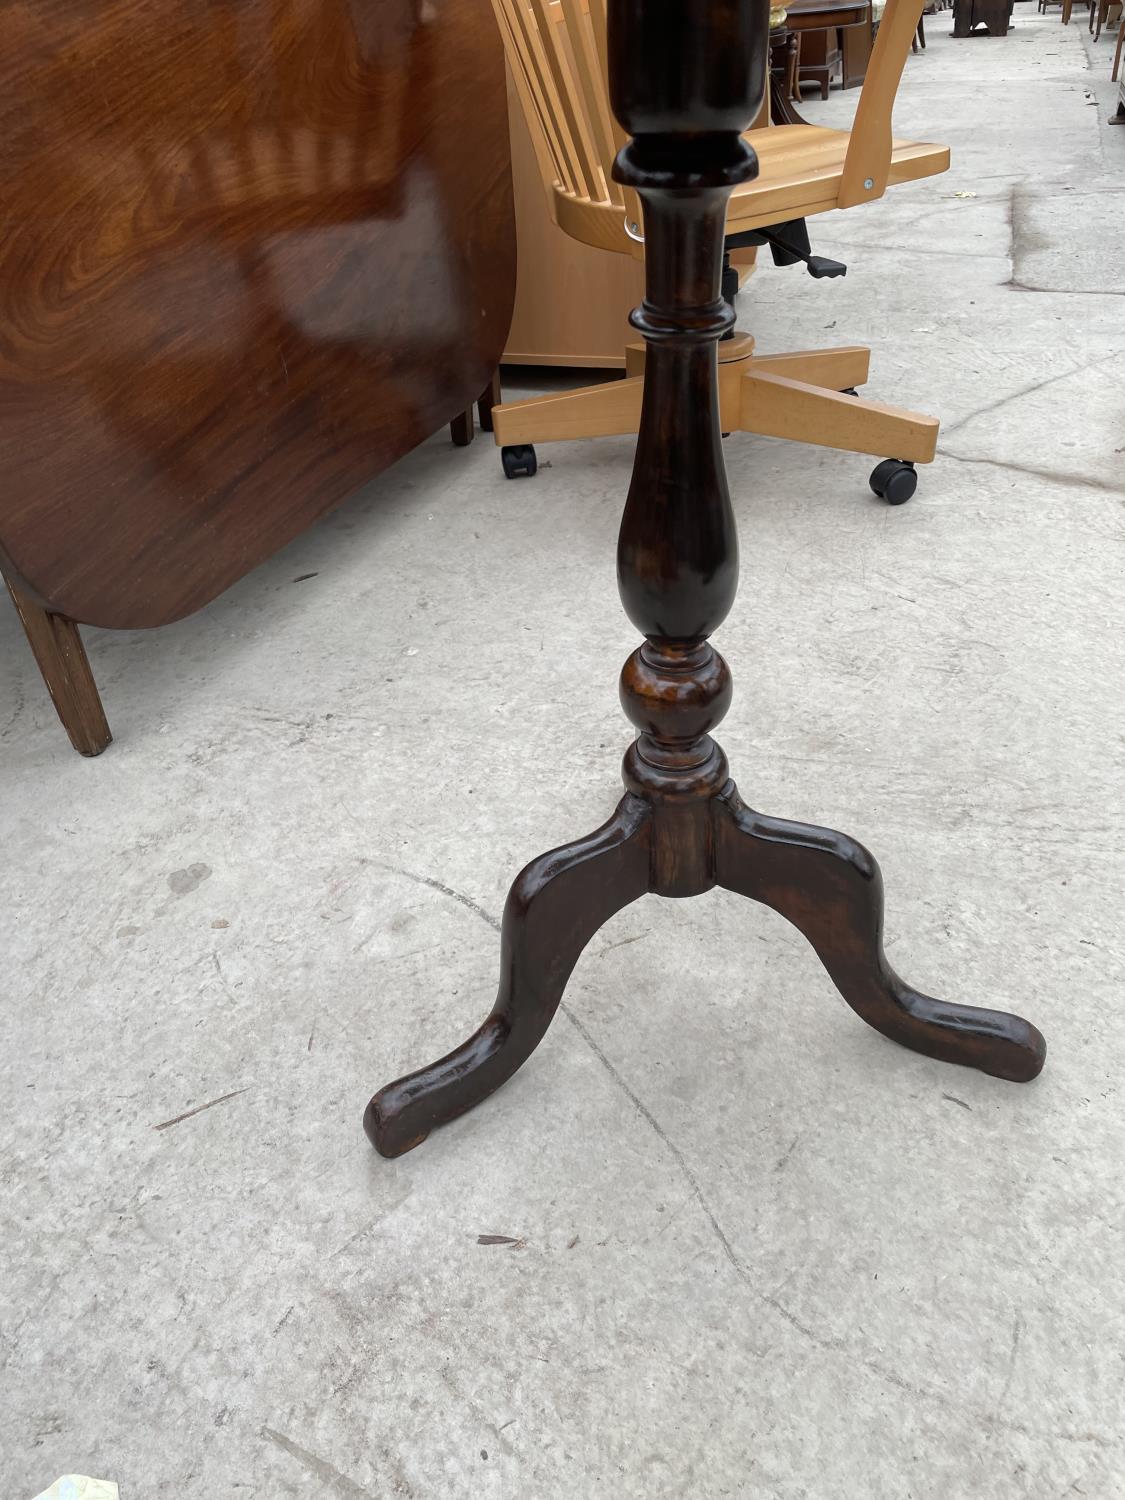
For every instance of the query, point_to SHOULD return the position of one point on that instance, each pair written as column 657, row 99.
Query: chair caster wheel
column 519, row 459
column 894, row 480
column 849, row 390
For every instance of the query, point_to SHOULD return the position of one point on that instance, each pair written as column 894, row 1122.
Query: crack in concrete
column 1064, row 291
column 1028, row 390
column 323, row 1470
column 681, row 1160
column 1065, row 481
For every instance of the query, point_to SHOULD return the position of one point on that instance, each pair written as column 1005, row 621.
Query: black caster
column 519, row 459
column 849, row 390
column 894, row 480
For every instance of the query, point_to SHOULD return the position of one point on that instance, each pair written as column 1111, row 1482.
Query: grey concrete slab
column 761, row 1252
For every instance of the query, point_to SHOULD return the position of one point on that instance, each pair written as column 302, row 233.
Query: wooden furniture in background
column 686, row 80
column 819, row 57
column 831, row 31
column 236, row 282
column 970, row 15
column 856, row 42
column 851, row 18
column 1102, row 14
column 1118, row 116
column 784, row 53
column 556, row 50
column 572, row 300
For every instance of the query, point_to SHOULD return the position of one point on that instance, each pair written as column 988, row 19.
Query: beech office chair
column 557, row 53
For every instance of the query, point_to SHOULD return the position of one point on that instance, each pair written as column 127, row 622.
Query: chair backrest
column 557, row 52
column 869, row 150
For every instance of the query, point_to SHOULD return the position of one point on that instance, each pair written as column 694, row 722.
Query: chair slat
column 869, row 150
column 528, row 85
column 584, row 161
column 540, row 78
column 587, row 68
column 599, row 24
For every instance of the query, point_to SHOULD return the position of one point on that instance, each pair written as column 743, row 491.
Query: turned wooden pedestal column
column 686, row 79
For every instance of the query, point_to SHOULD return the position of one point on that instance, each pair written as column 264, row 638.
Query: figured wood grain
column 253, row 252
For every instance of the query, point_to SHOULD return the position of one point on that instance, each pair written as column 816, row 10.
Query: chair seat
column 800, row 167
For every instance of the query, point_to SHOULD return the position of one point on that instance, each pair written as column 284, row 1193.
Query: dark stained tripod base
column 686, row 80
column 823, row 882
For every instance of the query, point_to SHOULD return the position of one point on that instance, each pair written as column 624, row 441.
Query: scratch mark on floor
column 324, row 1471
column 783, row 1161
column 623, row 943
column 446, row 890
column 222, row 975
column 1017, row 1330
column 199, row 1108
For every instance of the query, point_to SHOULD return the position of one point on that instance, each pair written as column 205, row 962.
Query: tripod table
column 686, row 80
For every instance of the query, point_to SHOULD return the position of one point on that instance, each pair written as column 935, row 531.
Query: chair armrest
column 869, row 151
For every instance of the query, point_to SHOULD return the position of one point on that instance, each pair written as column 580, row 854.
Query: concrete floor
column 760, row 1251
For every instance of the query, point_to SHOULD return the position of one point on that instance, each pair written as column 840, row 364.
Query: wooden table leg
column 685, row 82
column 61, row 656
column 784, row 60
column 489, row 398
column 462, row 429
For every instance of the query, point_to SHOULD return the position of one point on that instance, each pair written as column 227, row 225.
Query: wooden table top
column 254, row 251
column 816, row 15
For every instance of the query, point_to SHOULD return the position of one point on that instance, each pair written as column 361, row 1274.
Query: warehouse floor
column 717, row 1238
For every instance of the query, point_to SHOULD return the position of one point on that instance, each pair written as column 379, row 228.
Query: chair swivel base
column 806, row 396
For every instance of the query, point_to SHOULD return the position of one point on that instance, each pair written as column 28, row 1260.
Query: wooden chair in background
column 557, row 53
column 1067, row 8
column 1102, row 14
